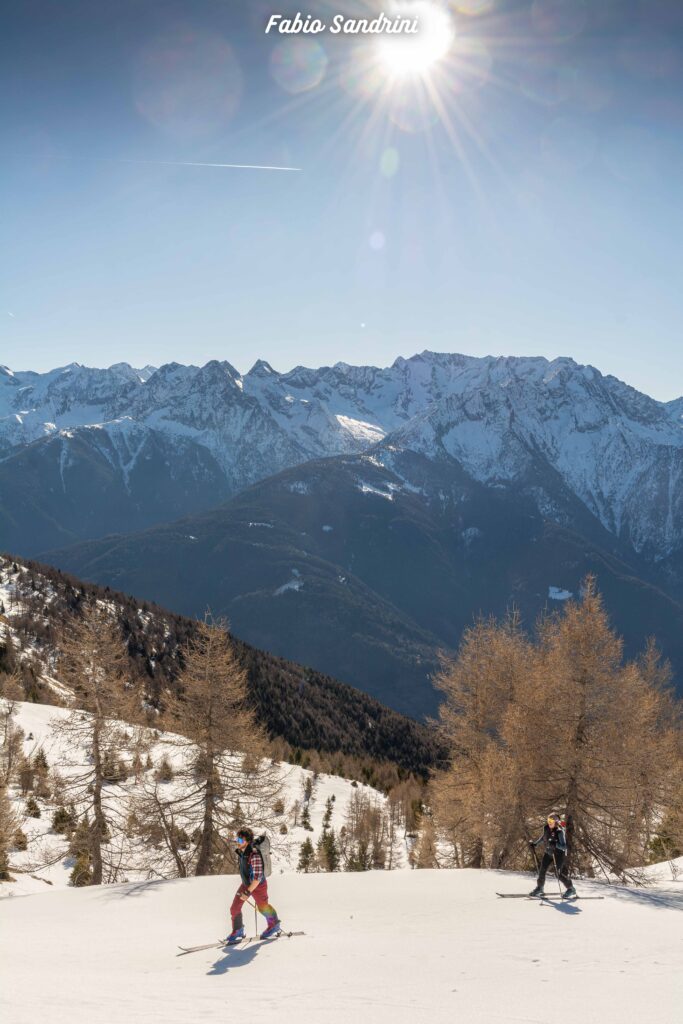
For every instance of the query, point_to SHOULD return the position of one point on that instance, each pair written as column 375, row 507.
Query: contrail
column 197, row 163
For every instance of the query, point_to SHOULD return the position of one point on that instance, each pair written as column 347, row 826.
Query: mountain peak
column 261, row 368
column 437, row 358
column 171, row 371
column 145, row 372
column 125, row 371
column 221, row 367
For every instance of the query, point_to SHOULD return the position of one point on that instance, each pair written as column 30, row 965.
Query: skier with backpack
column 253, row 857
column 555, row 838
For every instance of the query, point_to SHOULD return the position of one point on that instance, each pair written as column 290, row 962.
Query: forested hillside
column 303, row 709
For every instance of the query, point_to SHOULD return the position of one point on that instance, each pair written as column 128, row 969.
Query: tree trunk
column 477, row 858
column 170, row 838
column 204, row 859
column 99, row 827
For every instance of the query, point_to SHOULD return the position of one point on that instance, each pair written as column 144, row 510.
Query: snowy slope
column 29, row 870
column 618, row 451
column 395, row 947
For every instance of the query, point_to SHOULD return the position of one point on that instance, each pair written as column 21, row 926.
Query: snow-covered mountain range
column 208, row 432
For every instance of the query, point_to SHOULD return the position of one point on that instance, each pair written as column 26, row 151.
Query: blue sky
column 522, row 198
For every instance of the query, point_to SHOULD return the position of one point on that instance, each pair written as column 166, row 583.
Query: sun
column 415, row 55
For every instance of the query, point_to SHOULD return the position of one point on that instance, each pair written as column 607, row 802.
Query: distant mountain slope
column 364, row 566
column 86, row 482
column 619, row 452
column 308, row 710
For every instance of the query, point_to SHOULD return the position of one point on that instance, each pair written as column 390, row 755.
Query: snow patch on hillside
column 296, row 583
column 369, row 433
column 365, row 488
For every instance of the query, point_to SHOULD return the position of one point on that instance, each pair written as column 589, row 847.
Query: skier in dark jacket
column 253, row 883
column 555, row 839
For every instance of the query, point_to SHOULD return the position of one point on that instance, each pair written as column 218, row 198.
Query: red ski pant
column 260, row 898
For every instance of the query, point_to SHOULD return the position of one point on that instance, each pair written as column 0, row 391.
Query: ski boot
column 274, row 928
column 235, row 936
column 569, row 893
column 538, row 891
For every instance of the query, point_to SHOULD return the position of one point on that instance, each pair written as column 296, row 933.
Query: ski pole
column 533, row 850
column 253, row 904
column 556, row 874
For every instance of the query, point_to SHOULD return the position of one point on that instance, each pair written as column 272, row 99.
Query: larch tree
column 365, row 833
column 92, row 662
column 560, row 722
column 9, row 823
column 10, row 752
column 11, row 737
column 481, row 799
column 221, row 757
column 606, row 737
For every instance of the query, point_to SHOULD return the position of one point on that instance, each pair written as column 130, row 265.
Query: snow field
column 403, row 947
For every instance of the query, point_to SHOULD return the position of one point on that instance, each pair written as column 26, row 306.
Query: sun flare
column 415, row 55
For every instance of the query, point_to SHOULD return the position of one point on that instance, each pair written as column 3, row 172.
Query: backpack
column 262, row 844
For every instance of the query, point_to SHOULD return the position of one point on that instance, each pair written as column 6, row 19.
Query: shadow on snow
column 237, row 956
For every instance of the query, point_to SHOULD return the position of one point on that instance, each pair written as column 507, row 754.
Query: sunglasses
column 240, row 840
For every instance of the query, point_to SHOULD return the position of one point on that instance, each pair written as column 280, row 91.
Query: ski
column 219, row 945
column 516, row 896
column 271, row 938
column 570, row 899
column 196, row 949
column 524, row 896
column 546, row 896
